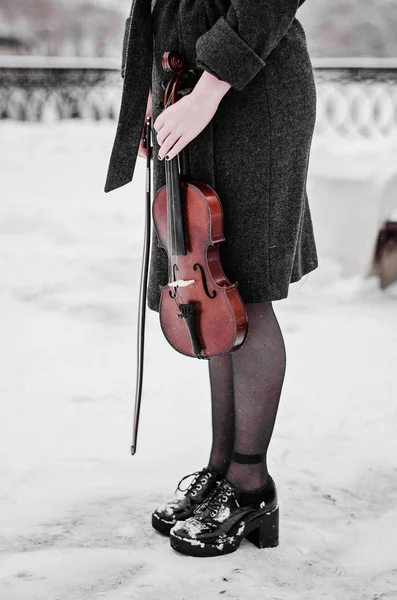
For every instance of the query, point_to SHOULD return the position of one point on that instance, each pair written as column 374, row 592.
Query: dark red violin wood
column 221, row 321
column 201, row 312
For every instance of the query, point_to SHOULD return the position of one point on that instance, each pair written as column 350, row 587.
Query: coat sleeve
column 235, row 48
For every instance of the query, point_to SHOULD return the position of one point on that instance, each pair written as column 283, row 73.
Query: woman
column 246, row 129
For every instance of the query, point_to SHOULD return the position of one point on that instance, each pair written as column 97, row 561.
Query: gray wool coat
column 254, row 152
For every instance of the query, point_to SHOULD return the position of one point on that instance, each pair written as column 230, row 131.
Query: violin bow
column 147, row 140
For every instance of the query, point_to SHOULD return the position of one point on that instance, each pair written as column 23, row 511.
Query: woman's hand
column 142, row 149
column 181, row 122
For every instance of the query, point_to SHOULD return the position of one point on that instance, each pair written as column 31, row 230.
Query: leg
column 258, row 369
column 258, row 376
column 221, row 381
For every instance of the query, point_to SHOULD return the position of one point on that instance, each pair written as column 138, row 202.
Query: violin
column 201, row 313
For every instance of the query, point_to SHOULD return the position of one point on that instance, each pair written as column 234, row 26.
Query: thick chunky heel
column 266, row 534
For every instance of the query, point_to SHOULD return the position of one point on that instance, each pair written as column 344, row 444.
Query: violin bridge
column 181, row 283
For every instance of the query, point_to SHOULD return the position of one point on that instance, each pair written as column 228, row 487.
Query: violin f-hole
column 204, row 280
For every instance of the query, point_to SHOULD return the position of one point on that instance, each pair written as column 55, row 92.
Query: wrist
column 210, row 87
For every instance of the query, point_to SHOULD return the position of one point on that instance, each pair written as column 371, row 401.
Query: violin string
column 168, row 196
column 174, row 259
column 179, row 296
column 180, row 291
column 170, row 217
column 168, row 223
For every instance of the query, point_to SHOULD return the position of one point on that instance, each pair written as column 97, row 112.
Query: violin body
column 201, row 312
column 220, row 316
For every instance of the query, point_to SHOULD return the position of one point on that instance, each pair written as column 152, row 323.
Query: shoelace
column 194, row 483
column 218, row 497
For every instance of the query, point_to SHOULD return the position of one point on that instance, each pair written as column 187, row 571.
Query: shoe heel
column 266, row 534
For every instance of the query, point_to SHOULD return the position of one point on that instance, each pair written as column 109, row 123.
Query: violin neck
column 176, row 229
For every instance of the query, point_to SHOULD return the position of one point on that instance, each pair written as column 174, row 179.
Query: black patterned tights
column 245, row 389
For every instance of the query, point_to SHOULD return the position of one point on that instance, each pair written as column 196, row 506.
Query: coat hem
column 282, row 294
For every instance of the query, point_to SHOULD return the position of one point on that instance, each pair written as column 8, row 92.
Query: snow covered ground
column 74, row 504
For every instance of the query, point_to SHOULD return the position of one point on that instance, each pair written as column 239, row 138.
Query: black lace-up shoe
column 225, row 518
column 178, row 509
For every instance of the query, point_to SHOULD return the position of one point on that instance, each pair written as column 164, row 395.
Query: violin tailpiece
column 188, row 313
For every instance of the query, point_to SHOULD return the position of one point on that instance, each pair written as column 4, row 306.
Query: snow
column 75, row 506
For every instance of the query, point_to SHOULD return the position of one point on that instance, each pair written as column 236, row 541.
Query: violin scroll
column 174, row 61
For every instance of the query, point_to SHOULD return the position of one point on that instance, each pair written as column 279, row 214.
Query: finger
column 162, row 135
column 163, row 117
column 168, row 144
column 159, row 122
column 177, row 147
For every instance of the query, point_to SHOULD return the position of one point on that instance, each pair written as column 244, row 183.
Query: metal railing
column 357, row 97
column 51, row 88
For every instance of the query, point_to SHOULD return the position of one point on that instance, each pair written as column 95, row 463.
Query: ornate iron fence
column 357, row 98
column 50, row 88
